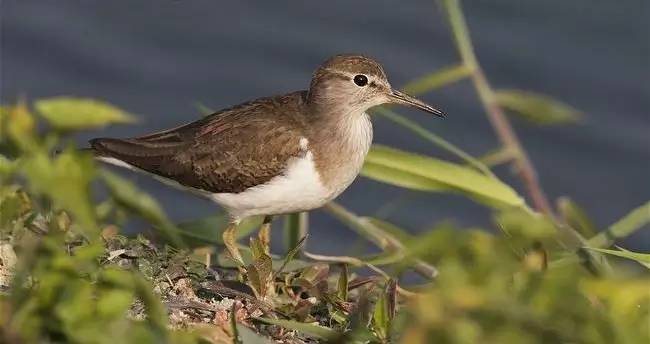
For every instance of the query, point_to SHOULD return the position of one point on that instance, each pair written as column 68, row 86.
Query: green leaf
column 7, row 168
column 498, row 157
column 13, row 204
column 641, row 258
column 433, row 138
column 141, row 204
column 576, row 217
column 114, row 302
column 343, row 283
column 437, row 79
column 291, row 254
column 518, row 223
column 380, row 318
column 308, row 329
column 66, row 180
column 624, row 227
column 537, row 108
column 65, row 113
column 21, row 126
column 405, row 179
column 424, row 173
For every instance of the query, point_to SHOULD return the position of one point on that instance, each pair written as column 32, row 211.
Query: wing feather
column 226, row 152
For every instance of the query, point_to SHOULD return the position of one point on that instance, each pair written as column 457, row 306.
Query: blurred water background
column 158, row 59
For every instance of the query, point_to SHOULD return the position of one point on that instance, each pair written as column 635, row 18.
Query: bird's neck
column 342, row 139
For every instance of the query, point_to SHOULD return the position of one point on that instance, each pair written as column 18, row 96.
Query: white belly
column 301, row 187
column 298, row 189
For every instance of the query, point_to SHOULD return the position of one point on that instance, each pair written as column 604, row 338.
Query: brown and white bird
column 274, row 155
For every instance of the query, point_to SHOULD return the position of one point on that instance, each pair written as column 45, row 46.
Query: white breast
column 357, row 138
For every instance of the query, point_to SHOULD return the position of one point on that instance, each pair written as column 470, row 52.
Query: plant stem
column 356, row 262
column 295, row 229
column 495, row 113
column 376, row 235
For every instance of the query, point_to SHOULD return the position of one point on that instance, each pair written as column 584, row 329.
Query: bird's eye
column 361, row 80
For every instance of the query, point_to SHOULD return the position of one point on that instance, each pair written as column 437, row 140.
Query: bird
column 273, row 155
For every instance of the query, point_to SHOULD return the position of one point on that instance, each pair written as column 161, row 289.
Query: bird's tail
column 135, row 152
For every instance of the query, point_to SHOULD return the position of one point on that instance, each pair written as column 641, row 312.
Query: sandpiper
column 275, row 155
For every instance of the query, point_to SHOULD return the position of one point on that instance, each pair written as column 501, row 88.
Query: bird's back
column 226, row 152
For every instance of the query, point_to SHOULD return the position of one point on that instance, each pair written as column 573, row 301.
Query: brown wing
column 228, row 151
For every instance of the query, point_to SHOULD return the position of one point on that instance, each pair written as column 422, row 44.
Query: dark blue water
column 159, row 58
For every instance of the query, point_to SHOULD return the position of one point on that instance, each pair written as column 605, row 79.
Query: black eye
column 361, row 80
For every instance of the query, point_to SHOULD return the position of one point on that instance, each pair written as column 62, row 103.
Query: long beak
column 398, row 97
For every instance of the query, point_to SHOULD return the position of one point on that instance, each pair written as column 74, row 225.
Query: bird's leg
column 231, row 244
column 265, row 233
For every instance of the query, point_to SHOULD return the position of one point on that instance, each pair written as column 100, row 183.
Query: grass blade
column 291, row 254
column 437, row 79
column 343, row 283
column 425, row 173
column 641, row 258
column 433, row 138
column 624, row 227
column 536, row 108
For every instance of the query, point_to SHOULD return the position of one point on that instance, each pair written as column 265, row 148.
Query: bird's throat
column 341, row 149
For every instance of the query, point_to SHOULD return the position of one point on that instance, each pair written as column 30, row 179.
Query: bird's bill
column 398, row 97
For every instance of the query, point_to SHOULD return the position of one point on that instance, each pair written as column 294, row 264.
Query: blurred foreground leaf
column 141, row 204
column 517, row 223
column 424, row 173
column 65, row 113
column 537, row 108
column 7, row 168
column 641, row 258
column 576, row 217
column 20, row 126
column 66, row 180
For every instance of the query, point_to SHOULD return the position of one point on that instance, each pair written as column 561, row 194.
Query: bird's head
column 357, row 83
